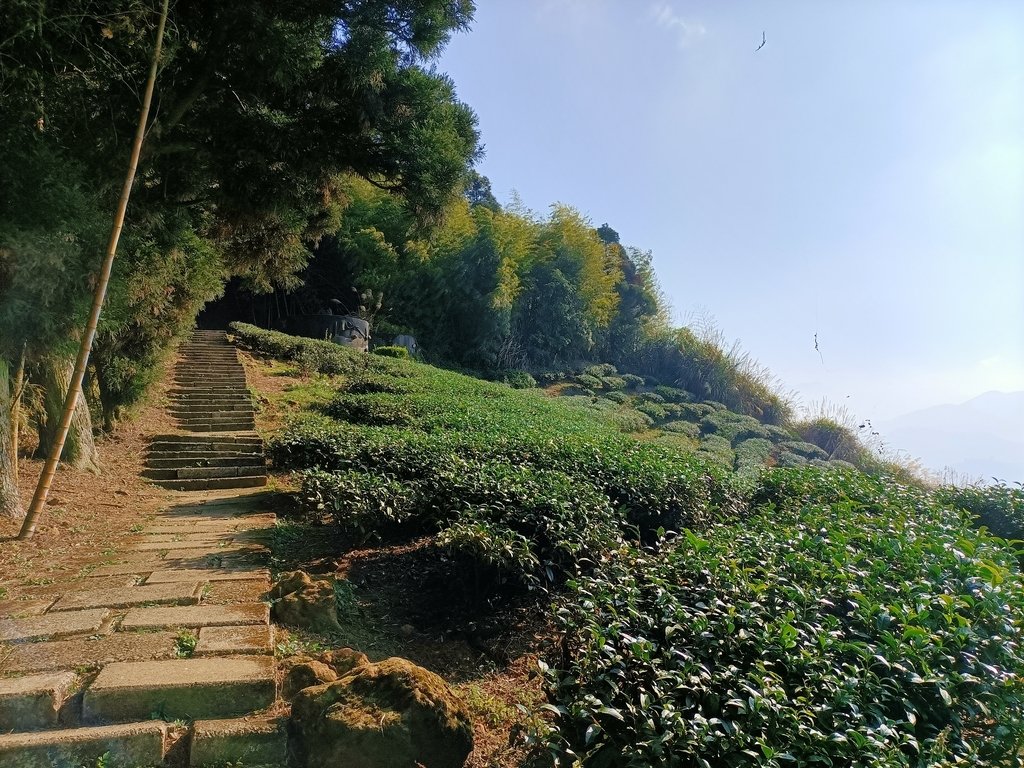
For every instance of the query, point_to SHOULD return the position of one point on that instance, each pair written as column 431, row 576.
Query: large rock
column 300, row 600
column 304, row 671
column 393, row 714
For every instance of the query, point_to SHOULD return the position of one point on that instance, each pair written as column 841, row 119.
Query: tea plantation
column 715, row 607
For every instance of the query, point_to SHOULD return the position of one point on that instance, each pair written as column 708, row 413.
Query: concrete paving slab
column 182, row 688
column 176, row 593
column 212, row 539
column 236, row 592
column 19, row 609
column 56, row 625
column 125, row 569
column 208, row 574
column 248, row 550
column 221, row 641
column 33, row 701
column 149, row 545
column 248, row 740
column 81, row 652
column 195, row 616
column 120, row 746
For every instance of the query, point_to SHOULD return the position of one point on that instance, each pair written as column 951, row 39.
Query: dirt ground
column 86, row 515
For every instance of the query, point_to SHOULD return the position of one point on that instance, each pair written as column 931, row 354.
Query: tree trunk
column 15, row 410
column 79, row 447
column 10, row 501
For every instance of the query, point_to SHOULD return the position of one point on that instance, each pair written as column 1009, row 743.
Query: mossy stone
column 393, row 714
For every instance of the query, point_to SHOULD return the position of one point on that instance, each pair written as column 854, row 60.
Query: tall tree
column 262, row 106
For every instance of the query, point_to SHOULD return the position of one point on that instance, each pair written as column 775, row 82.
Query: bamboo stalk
column 19, row 387
column 28, row 528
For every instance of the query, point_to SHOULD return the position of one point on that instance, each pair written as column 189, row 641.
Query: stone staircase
column 217, row 446
column 162, row 654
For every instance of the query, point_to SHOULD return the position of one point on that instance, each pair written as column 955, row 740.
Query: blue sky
column 860, row 178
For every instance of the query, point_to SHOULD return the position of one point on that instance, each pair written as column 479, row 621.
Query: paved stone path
column 164, row 655
column 217, row 447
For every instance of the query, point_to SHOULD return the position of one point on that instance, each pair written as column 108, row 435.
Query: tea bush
column 399, row 352
column 848, row 621
column 519, row 380
column 362, row 505
column 999, row 507
column 311, row 355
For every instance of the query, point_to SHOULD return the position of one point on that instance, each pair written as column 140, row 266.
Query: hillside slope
column 695, row 615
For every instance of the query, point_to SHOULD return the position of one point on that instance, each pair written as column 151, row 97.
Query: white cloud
column 686, row 31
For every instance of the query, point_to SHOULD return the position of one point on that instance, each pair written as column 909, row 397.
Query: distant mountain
column 983, row 437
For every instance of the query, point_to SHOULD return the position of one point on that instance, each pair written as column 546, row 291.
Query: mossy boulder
column 300, row 600
column 307, row 671
column 393, row 714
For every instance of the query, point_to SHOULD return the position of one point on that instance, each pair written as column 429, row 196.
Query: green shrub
column 778, row 434
column 804, row 450
column 494, row 552
column 654, row 411
column 847, row 622
column 600, row 371
column 311, row 355
column 719, row 449
column 587, row 381
column 687, row 428
column 378, row 409
column 787, row 459
column 999, row 507
column 754, row 452
column 616, row 397
column 632, row 380
column 693, row 411
column 519, row 380
column 651, row 397
column 673, row 395
column 630, row 420
column 399, row 352
column 363, row 506
column 613, row 382
column 837, row 440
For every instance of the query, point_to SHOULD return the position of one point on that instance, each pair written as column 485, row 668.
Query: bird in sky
column 764, row 39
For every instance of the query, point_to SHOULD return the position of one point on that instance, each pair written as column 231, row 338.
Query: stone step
column 245, row 741
column 207, row 443
column 131, row 744
column 189, row 401
column 217, row 415
column 209, row 485
column 54, row 625
column 207, row 460
column 225, row 427
column 219, row 419
column 126, row 597
column 34, row 701
column 191, row 616
column 200, row 473
column 180, row 689
column 90, row 652
column 208, row 574
column 182, row 409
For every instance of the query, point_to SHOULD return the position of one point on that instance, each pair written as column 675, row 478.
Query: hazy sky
column 860, row 178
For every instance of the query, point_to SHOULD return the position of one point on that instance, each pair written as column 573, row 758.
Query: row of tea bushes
column 848, row 621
